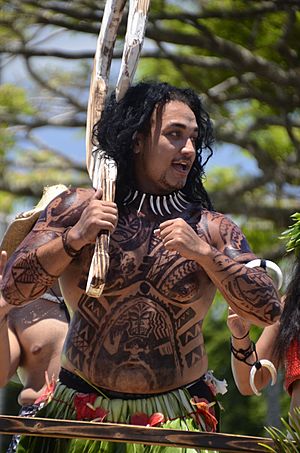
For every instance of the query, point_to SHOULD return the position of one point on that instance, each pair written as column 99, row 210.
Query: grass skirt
column 69, row 405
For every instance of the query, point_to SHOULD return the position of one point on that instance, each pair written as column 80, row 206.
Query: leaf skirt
column 175, row 406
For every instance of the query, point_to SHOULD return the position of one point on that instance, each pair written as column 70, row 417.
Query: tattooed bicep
column 232, row 235
column 222, row 233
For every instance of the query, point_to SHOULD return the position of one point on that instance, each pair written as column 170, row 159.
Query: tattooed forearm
column 28, row 280
column 41, row 257
column 248, row 290
column 251, row 293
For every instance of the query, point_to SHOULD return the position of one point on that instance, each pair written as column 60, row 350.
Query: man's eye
column 174, row 134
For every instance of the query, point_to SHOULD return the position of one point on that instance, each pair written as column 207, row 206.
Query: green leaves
column 288, row 441
column 13, row 101
column 292, row 235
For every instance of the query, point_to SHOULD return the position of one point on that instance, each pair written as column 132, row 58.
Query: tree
column 243, row 57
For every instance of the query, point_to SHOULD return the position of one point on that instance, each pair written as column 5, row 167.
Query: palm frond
column 292, row 235
column 286, row 441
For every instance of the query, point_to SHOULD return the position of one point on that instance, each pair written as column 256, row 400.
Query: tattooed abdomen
column 146, row 334
column 142, row 342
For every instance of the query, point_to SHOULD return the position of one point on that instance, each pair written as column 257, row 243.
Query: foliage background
column 242, row 57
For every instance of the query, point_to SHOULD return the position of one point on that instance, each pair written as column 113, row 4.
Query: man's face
column 164, row 156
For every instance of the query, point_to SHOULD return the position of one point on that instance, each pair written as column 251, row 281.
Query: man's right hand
column 97, row 216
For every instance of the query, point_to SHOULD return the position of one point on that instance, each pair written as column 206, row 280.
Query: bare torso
column 144, row 334
column 40, row 328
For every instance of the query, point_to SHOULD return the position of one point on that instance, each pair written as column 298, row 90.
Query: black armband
column 243, row 354
column 241, row 338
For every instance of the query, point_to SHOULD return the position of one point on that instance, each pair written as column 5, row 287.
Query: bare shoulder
column 78, row 194
column 224, row 234
column 65, row 209
column 71, row 198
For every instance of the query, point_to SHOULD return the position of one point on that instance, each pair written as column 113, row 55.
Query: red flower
column 85, row 410
column 139, row 418
column 205, row 409
column 156, row 419
column 142, row 419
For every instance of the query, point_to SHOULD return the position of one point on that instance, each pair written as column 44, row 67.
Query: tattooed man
column 138, row 349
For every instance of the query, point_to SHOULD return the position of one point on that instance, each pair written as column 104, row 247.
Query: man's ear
column 138, row 141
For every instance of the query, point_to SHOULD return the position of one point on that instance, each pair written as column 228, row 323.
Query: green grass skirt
column 174, row 405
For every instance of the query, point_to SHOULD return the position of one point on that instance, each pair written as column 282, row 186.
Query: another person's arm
column 71, row 221
column 264, row 350
column 9, row 345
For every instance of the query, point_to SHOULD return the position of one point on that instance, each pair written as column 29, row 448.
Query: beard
column 168, row 187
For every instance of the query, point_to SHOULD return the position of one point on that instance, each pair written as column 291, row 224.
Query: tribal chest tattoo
column 144, row 334
column 148, row 325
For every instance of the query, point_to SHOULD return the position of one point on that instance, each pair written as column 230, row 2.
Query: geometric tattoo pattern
column 149, row 317
column 31, row 279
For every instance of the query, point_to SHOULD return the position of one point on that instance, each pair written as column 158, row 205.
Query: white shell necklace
column 159, row 204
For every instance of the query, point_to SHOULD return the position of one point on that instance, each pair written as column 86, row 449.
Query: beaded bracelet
column 67, row 248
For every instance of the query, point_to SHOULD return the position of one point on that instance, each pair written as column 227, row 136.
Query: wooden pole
column 45, row 427
column 112, row 16
column 136, row 25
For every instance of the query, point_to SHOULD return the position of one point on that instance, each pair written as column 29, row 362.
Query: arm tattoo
column 31, row 280
column 249, row 291
column 25, row 278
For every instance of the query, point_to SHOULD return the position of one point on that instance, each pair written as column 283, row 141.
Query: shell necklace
column 159, row 204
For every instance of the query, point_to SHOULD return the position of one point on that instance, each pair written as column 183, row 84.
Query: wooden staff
column 136, row 26
column 100, row 166
column 107, row 174
column 113, row 432
column 112, row 16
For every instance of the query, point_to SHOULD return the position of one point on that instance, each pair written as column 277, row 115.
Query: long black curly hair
column 290, row 317
column 121, row 121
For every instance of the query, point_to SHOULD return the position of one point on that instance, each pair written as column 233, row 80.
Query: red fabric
column 292, row 368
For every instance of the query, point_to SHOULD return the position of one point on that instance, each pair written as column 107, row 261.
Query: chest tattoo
column 149, row 316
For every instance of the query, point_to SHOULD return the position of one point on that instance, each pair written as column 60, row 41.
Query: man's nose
column 188, row 146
